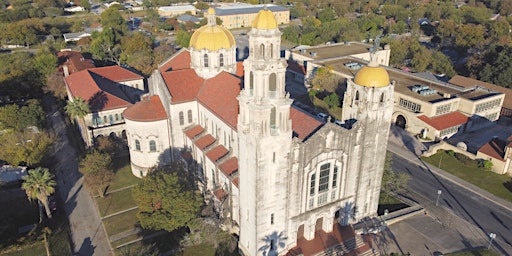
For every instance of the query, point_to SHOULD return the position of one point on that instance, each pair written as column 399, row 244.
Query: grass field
column 122, row 222
column 499, row 185
column 124, row 177
column 115, row 202
column 35, row 249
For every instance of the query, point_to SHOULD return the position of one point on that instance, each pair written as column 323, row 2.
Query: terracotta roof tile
column 239, row 69
column 216, row 153
column 445, row 121
column 116, row 73
column 100, row 93
column 205, row 141
column 183, row 85
column 229, row 167
column 194, row 131
column 469, row 82
column 74, row 60
column 148, row 109
column 220, row 194
column 187, row 156
column 219, row 94
column 181, row 60
column 495, row 149
column 235, row 182
column 296, row 67
column 324, row 241
column 303, row 124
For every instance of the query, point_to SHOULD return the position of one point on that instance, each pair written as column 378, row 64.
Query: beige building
column 423, row 105
column 175, row 10
column 240, row 15
column 499, row 152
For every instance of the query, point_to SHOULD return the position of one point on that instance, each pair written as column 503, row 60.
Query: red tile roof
column 148, row 109
column 445, row 121
column 324, row 241
column 116, row 73
column 219, row 95
column 220, row 194
column 235, row 182
column 296, row 67
column 194, row 131
column 239, row 69
column 100, row 93
column 229, row 167
column 205, row 141
column 469, row 82
column 303, row 124
column 187, row 156
column 495, row 149
column 180, row 60
column 74, row 60
column 216, row 153
column 183, row 85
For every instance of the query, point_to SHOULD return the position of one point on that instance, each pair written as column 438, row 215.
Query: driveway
column 87, row 233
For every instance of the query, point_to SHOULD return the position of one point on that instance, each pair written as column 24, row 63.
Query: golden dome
column 372, row 76
column 212, row 38
column 265, row 19
column 210, row 11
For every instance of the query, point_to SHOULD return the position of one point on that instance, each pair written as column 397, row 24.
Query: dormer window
column 221, row 60
column 205, row 60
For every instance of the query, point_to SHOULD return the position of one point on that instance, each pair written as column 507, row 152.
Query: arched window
column 273, row 117
column 251, row 83
column 137, row 145
column 272, row 84
column 152, row 146
column 312, row 185
column 221, row 60
column 262, row 50
column 323, row 183
column 205, row 60
column 117, row 117
column 272, row 51
column 111, row 119
column 357, row 95
column 382, row 97
column 182, row 119
column 189, row 113
column 105, row 119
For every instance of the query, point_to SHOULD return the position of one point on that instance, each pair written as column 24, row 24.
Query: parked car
column 322, row 115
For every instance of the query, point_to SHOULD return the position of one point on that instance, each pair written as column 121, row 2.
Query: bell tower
column 265, row 137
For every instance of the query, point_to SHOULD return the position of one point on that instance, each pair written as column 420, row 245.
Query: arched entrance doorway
column 300, row 232
column 400, row 121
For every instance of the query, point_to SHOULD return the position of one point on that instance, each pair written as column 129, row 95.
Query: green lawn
column 201, row 249
column 124, row 177
column 34, row 249
column 499, row 185
column 121, row 222
column 115, row 202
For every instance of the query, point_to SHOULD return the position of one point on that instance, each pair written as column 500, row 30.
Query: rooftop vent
column 423, row 90
column 313, row 54
column 353, row 65
column 302, row 50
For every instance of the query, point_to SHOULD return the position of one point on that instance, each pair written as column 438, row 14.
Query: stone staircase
column 354, row 246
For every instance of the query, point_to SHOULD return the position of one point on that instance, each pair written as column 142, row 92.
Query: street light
column 492, row 236
column 439, row 192
column 385, row 216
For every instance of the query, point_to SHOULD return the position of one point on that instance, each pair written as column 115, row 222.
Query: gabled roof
column 495, row 149
column 216, row 153
column 469, row 82
column 235, row 182
column 220, row 194
column 205, row 141
column 181, row 60
column 219, row 94
column 229, row 167
column 445, row 121
column 116, row 73
column 183, row 85
column 99, row 92
column 74, row 60
column 303, row 124
column 148, row 109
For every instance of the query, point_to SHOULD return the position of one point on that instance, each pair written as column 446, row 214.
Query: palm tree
column 39, row 184
column 77, row 108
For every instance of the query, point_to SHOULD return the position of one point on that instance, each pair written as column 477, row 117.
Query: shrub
column 463, row 159
column 450, row 152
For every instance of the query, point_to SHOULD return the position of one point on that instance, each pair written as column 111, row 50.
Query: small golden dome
column 212, row 38
column 210, row 11
column 372, row 76
column 265, row 19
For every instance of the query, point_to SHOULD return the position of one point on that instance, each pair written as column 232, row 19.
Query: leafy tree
column 105, row 46
column 326, row 15
column 25, row 147
column 393, row 182
column 333, row 100
column 421, row 59
column 39, row 185
column 497, row 66
column 139, row 249
column 161, row 53
column 468, row 35
column 446, row 28
column 55, row 85
column 324, row 79
column 137, row 52
column 166, row 199
column 107, row 145
column 441, row 64
column 183, row 38
column 45, row 63
column 96, row 168
column 111, row 19
column 77, row 108
column 13, row 117
column 9, row 116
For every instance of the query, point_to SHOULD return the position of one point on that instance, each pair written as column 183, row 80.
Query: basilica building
column 279, row 174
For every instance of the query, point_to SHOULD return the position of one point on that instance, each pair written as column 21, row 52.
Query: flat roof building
column 171, row 11
column 239, row 15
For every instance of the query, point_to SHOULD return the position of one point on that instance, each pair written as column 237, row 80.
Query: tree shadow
column 98, row 101
column 272, row 244
column 508, row 185
column 86, row 248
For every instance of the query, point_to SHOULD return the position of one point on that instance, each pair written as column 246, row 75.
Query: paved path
column 87, row 233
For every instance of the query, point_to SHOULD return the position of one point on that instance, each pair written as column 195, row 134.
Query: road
column 87, row 233
column 457, row 200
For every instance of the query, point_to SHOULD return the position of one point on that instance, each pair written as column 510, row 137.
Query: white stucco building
column 279, row 175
